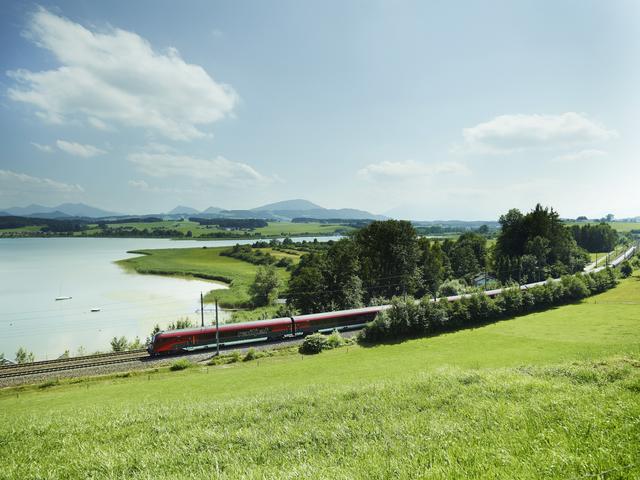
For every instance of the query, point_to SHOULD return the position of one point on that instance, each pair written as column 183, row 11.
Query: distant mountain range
column 61, row 211
column 285, row 210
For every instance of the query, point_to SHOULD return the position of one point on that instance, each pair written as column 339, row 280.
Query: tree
column 265, row 287
column 341, row 275
column 178, row 324
column 432, row 268
column 23, row 356
column 539, row 233
column 156, row 329
column 626, row 269
column 388, row 253
column 307, row 291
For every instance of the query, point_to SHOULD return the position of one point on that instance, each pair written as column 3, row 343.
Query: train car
column 191, row 338
column 340, row 320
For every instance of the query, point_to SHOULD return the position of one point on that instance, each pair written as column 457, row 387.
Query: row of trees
column 382, row 259
column 410, row 318
column 595, row 238
column 387, row 258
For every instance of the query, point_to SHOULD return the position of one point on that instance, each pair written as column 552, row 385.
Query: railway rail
column 74, row 363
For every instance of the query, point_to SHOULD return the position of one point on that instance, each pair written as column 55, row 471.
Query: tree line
column 388, row 258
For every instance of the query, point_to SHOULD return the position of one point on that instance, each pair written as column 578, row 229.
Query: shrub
column 313, row 344
column 251, row 354
column 626, row 269
column 450, row 288
column 180, row 364
column 574, row 287
column 335, row 340
column 378, row 329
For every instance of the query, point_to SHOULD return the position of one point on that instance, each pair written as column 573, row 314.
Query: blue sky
column 417, row 109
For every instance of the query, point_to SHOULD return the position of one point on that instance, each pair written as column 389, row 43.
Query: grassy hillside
column 546, row 395
column 204, row 263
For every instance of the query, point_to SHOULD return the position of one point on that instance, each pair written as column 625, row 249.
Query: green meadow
column 204, row 263
column 554, row 394
column 273, row 229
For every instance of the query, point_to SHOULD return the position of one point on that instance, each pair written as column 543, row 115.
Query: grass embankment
column 204, row 263
column 546, row 395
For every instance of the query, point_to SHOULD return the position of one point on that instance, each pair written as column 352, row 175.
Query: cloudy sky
column 427, row 110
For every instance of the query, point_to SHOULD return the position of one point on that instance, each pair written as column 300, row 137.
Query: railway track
column 74, row 363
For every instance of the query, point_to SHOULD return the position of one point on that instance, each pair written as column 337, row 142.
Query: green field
column 621, row 227
column 204, row 263
column 546, row 395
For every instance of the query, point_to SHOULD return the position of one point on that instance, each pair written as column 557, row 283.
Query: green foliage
column 251, row 354
column 327, row 281
column 536, row 245
column 626, row 269
column 119, row 344
column 595, row 238
column 180, row 364
column 407, row 318
column 335, row 340
column 451, row 287
column 265, row 287
column 313, row 344
column 156, row 329
column 432, row 266
column 24, row 356
column 389, row 254
column 179, row 324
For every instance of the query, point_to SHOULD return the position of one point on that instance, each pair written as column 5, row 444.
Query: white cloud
column 99, row 124
column 12, row 183
column 216, row 171
column 511, row 133
column 43, row 148
column 582, row 155
column 79, row 150
column 402, row 170
column 115, row 76
column 141, row 184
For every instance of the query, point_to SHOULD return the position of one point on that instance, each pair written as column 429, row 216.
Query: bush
column 251, row 354
column 335, row 340
column 450, row 288
column 180, row 364
column 626, row 269
column 313, row 344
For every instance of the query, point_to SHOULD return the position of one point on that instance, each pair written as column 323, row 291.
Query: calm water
column 34, row 271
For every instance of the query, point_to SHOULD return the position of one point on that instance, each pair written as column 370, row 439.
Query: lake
column 34, row 271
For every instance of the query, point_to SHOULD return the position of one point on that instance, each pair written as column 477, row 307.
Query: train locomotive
column 176, row 341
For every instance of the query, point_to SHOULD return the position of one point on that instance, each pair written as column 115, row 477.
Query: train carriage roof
column 229, row 327
column 338, row 314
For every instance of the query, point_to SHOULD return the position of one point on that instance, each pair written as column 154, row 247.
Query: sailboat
column 61, row 297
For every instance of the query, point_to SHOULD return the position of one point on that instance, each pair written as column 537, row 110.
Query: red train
column 276, row 329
